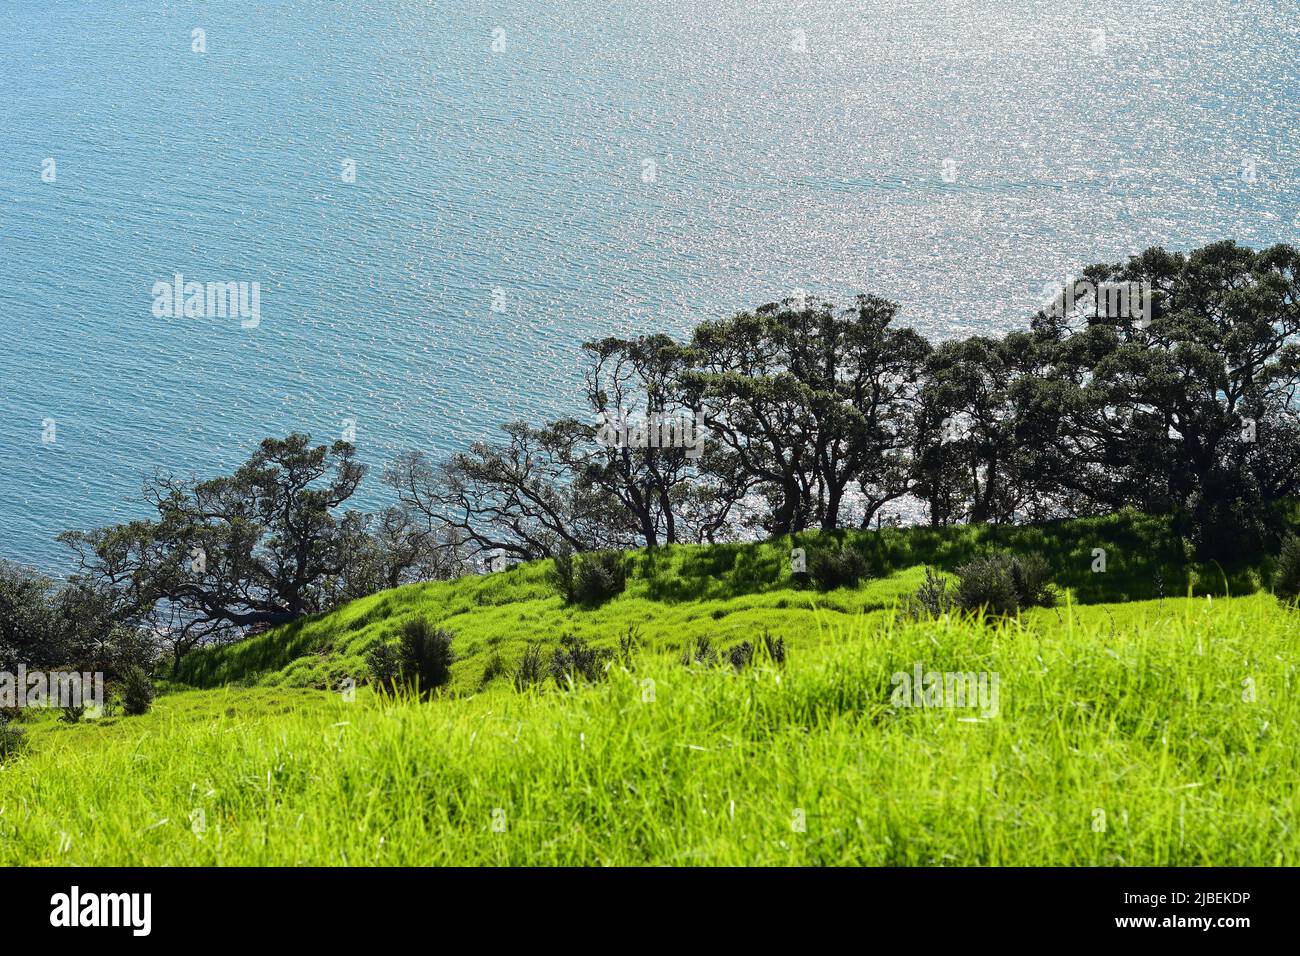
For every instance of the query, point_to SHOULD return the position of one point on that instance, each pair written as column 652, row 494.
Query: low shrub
column 933, row 598
column 575, row 659
column 421, row 661
column 1003, row 583
column 383, row 664
column 741, row 655
column 837, row 567
column 590, row 578
column 600, row 576
column 425, row 655
column 1286, row 574
column 13, row 739
column 136, row 691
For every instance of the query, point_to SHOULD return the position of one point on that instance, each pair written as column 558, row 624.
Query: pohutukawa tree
column 811, row 403
column 973, row 455
column 29, row 632
column 757, row 410
column 518, row 499
column 1190, row 407
column 650, row 449
column 229, row 554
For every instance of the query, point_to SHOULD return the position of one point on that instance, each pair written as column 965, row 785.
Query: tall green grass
column 1177, row 719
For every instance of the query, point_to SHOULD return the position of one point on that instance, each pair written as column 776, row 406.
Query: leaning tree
column 226, row 555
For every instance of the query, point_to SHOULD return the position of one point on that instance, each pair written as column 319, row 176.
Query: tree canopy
column 1165, row 383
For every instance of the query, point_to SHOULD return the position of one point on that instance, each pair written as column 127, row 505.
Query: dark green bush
column 590, row 578
column 562, row 577
column 1286, row 574
column 837, row 567
column 933, row 598
column 575, row 659
column 600, row 576
column 13, row 739
column 1226, row 519
column 1033, row 580
column 420, row 662
column 741, row 655
column 384, row 665
column 1003, row 583
column 136, row 691
column 425, row 655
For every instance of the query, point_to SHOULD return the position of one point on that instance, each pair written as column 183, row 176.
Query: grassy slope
column 1135, row 710
column 727, row 592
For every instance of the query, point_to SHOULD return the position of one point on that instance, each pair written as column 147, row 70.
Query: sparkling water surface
column 602, row 167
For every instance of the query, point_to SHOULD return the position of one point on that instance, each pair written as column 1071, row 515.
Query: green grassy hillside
column 1152, row 733
column 724, row 592
column 1149, row 719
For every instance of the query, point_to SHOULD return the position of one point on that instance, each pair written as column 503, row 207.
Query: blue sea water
column 530, row 175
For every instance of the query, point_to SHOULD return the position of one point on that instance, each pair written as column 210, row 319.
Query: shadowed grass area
column 1152, row 733
column 724, row 592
